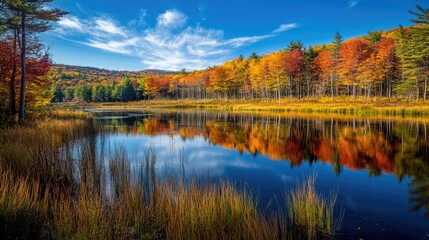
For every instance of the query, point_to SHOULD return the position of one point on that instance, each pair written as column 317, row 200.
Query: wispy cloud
column 122, row 47
column 171, row 44
column 352, row 3
column 106, row 25
column 141, row 20
column 71, row 22
column 286, row 27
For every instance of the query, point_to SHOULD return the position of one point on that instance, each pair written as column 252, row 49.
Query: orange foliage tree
column 353, row 53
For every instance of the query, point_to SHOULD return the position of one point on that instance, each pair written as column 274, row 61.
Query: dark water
column 379, row 167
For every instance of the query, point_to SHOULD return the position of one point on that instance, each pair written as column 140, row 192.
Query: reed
column 311, row 213
column 24, row 207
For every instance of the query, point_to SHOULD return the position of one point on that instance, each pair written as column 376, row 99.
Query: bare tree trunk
column 369, row 91
column 426, row 85
column 417, row 87
column 332, row 87
column 23, row 70
column 308, row 86
column 278, row 89
column 12, row 93
column 354, row 90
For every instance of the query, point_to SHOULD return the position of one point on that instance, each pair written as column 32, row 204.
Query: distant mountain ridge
column 107, row 72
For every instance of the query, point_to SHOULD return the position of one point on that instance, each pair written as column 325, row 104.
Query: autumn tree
column 29, row 18
column 325, row 63
column 218, row 82
column 258, row 77
column 151, row 87
column 294, row 64
column 369, row 71
column 239, row 75
column 35, row 18
column 8, row 72
column 10, row 26
column 386, row 61
column 352, row 54
column 277, row 70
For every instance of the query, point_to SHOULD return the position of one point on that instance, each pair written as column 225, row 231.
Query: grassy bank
column 339, row 105
column 55, row 183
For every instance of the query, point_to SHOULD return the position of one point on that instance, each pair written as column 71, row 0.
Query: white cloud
column 243, row 41
column 122, row 47
column 169, row 45
column 141, row 20
column 172, row 19
column 351, row 4
column 286, row 27
column 71, row 22
column 108, row 26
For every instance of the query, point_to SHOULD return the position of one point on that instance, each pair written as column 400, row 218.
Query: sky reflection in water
column 379, row 167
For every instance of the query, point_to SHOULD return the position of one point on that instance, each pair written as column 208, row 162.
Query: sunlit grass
column 312, row 213
column 23, row 207
column 43, row 150
column 339, row 105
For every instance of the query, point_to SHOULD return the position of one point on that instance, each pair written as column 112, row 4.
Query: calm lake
column 379, row 167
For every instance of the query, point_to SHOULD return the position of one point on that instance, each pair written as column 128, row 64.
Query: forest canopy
column 382, row 64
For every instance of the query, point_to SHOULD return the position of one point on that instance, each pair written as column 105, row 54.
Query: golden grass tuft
column 311, row 213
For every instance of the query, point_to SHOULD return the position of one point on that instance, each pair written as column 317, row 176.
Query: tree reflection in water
column 379, row 146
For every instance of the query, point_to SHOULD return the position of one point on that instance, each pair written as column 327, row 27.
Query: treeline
column 73, row 83
column 123, row 91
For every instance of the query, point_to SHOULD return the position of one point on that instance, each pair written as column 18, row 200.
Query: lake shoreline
column 339, row 107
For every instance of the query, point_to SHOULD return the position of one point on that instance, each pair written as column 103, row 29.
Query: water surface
column 379, row 167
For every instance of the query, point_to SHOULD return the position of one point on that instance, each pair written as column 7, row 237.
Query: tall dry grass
column 401, row 107
column 24, row 207
column 311, row 213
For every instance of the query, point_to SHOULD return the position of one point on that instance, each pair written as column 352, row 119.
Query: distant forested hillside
column 94, row 84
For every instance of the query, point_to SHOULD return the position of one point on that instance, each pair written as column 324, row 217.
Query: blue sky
column 192, row 34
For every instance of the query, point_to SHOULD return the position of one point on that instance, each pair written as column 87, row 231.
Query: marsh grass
column 311, row 213
column 43, row 151
column 56, row 183
column 401, row 107
column 23, row 207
